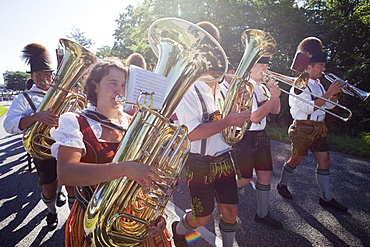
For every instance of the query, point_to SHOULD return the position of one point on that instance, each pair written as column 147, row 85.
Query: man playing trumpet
column 308, row 130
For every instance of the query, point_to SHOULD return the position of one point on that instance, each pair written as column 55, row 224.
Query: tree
column 80, row 38
column 344, row 29
column 343, row 26
column 16, row 80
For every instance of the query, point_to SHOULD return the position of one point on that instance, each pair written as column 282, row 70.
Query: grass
column 3, row 110
column 355, row 146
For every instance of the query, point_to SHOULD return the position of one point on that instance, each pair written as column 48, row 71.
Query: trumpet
column 349, row 89
column 300, row 83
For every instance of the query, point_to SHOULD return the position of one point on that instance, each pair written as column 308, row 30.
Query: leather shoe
column 267, row 220
column 179, row 240
column 284, row 192
column 52, row 220
column 333, row 204
column 61, row 199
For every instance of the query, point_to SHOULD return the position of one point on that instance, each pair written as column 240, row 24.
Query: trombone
column 300, row 84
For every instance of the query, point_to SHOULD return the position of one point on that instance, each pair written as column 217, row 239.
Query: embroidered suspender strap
column 312, row 98
column 222, row 94
column 30, row 102
column 97, row 117
column 205, row 118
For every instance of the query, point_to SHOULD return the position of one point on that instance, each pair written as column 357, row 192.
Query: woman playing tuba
column 85, row 147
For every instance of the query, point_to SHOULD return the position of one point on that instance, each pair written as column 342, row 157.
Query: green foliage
column 278, row 132
column 343, row 26
column 16, row 80
column 356, row 146
column 80, row 38
column 3, row 110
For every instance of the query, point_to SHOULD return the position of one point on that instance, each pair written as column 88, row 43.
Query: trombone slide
column 290, row 81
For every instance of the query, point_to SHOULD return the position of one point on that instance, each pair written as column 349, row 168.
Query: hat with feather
column 313, row 48
column 37, row 57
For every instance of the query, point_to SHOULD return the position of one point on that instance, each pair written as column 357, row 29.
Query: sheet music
column 148, row 82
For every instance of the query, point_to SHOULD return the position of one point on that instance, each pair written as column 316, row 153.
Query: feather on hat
column 37, row 57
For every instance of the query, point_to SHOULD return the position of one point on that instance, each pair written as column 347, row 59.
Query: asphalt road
column 306, row 223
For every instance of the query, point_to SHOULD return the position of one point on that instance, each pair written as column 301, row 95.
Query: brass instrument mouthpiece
column 120, row 98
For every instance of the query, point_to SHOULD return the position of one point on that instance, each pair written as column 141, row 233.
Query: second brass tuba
column 59, row 98
column 257, row 44
column 120, row 212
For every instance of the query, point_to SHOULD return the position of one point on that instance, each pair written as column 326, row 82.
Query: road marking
column 175, row 213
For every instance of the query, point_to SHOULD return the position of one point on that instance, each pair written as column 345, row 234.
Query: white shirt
column 300, row 110
column 68, row 132
column 20, row 108
column 224, row 84
column 260, row 94
column 189, row 112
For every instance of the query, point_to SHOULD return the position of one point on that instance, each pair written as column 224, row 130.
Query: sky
column 46, row 21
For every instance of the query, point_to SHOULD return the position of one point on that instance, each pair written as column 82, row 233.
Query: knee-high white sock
column 285, row 174
column 50, row 203
column 227, row 233
column 183, row 227
column 322, row 178
column 262, row 194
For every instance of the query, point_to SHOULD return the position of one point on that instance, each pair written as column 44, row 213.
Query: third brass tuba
column 59, row 98
column 257, row 44
column 120, row 212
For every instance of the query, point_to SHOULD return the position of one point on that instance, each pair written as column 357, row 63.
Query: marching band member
column 253, row 151
column 21, row 115
column 308, row 130
column 84, row 149
column 210, row 172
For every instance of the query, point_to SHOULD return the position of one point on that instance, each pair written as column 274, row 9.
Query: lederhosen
column 210, row 177
column 96, row 152
column 308, row 134
column 253, row 151
column 46, row 168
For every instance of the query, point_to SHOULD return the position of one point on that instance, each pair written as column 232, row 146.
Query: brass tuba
column 257, row 44
column 59, row 98
column 120, row 212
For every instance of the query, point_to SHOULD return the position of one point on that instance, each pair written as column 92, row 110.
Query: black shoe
column 61, row 199
column 52, row 220
column 267, row 220
column 333, row 204
column 179, row 240
column 284, row 192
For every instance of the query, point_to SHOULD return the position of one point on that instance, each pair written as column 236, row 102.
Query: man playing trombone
column 308, row 130
column 253, row 151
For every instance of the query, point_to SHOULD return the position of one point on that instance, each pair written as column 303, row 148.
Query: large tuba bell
column 59, row 99
column 257, row 44
column 120, row 212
